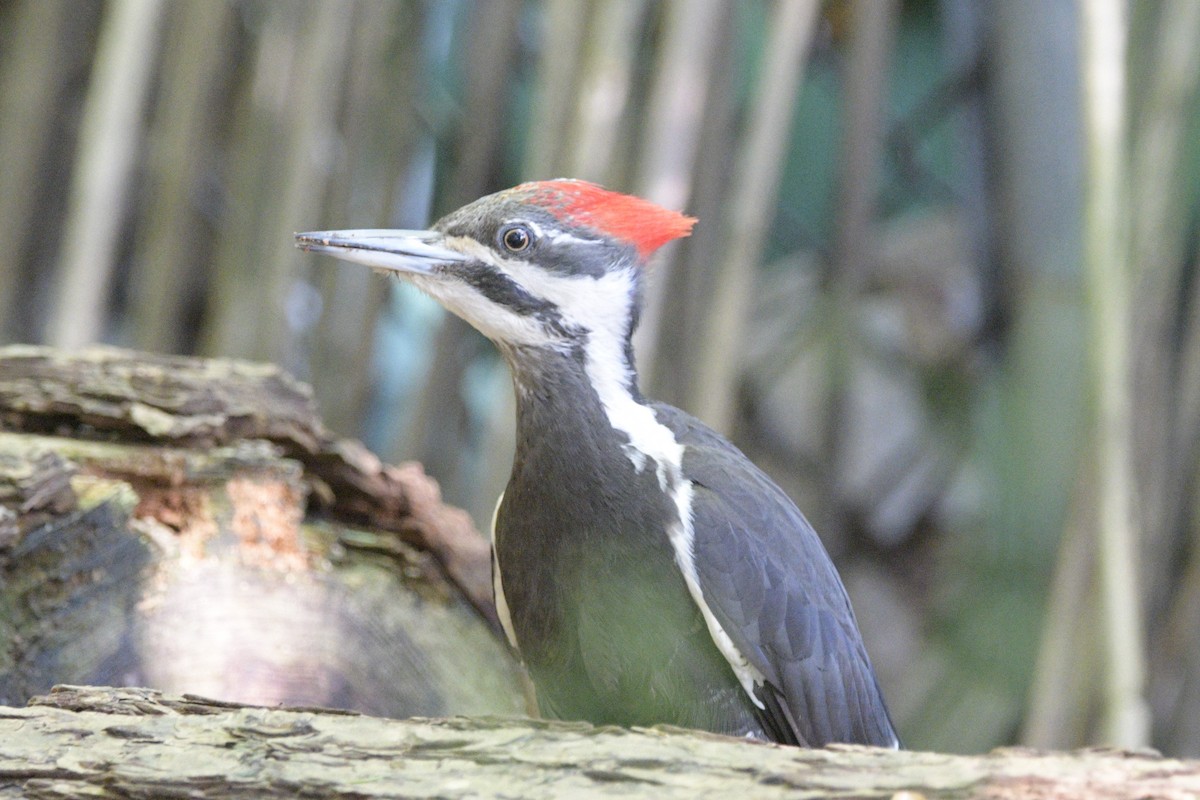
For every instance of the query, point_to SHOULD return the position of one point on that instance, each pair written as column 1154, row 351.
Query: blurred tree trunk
column 752, row 198
column 282, row 148
column 33, row 73
column 104, row 168
column 966, row 23
column 856, row 236
column 1166, row 63
column 602, row 96
column 1165, row 434
column 380, row 140
column 1027, row 427
column 670, row 135
column 563, row 37
column 1165, row 69
column 687, row 281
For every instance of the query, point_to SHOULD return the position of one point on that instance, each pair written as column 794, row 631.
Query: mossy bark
column 190, row 525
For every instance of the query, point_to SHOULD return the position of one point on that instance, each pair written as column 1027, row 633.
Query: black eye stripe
column 504, row 291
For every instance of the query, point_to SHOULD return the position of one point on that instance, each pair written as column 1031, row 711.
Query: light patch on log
column 266, row 518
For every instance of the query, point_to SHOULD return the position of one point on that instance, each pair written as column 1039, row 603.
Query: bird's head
column 543, row 264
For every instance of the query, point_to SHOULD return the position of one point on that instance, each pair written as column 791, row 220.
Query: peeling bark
column 118, row 395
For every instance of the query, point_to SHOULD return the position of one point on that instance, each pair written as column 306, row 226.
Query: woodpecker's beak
column 391, row 251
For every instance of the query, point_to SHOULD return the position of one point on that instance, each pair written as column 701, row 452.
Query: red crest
column 645, row 225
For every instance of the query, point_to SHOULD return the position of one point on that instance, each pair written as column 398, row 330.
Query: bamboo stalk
column 1106, row 251
column 751, row 203
column 670, row 137
column 603, row 91
column 688, row 289
column 34, row 70
column 109, row 137
column 855, row 238
column 1057, row 709
column 286, row 121
column 181, row 144
column 378, row 140
column 1159, row 214
column 564, row 34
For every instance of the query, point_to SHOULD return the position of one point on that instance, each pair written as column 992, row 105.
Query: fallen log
column 190, row 525
column 122, row 743
column 145, row 398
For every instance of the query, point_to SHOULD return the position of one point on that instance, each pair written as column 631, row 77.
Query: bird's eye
column 516, row 238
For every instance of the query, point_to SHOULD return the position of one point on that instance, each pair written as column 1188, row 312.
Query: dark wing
column 770, row 583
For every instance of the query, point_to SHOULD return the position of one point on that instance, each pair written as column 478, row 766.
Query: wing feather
column 769, row 582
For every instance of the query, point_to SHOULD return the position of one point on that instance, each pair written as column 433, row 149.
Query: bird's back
column 770, row 583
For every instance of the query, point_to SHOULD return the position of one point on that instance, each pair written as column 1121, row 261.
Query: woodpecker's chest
column 583, row 532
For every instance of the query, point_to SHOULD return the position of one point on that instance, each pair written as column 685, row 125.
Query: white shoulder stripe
column 683, row 537
column 502, row 611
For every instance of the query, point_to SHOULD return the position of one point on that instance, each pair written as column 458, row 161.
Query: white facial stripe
column 601, row 306
column 559, row 237
column 554, row 236
column 495, row 321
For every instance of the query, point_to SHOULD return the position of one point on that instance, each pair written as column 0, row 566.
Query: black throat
column 560, row 415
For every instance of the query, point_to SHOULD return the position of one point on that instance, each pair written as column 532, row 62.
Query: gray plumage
column 771, row 584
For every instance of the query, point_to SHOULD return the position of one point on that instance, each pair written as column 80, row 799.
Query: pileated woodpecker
column 645, row 570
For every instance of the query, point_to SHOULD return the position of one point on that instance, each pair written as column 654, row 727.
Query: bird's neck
column 592, row 377
column 584, row 399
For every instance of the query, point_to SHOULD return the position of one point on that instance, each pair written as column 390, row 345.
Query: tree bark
column 191, row 525
column 121, row 743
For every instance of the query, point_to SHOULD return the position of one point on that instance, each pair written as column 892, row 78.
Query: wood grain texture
column 122, row 743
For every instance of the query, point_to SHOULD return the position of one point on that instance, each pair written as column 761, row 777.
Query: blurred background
column 943, row 288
